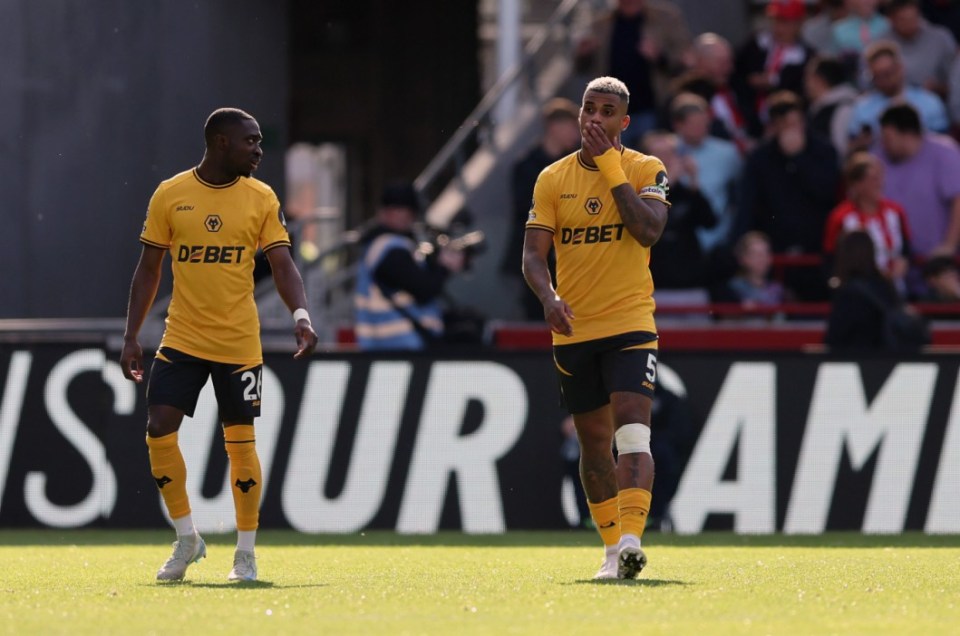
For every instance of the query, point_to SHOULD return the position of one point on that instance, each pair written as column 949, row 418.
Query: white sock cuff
column 184, row 526
column 633, row 438
column 246, row 540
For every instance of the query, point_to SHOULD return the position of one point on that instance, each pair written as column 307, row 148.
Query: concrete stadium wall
column 101, row 101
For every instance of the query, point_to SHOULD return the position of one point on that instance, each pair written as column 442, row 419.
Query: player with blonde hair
column 602, row 208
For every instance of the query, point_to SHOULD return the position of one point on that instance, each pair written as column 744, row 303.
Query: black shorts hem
column 588, row 372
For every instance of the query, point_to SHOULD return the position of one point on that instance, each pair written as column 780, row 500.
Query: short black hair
column 400, row 194
column 221, row 119
column 830, row 69
column 903, row 118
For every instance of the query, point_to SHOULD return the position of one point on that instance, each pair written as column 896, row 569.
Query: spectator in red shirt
column 866, row 209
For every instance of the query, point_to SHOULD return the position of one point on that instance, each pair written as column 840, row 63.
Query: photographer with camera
column 398, row 283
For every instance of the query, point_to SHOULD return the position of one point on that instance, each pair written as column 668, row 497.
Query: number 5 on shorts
column 652, row 367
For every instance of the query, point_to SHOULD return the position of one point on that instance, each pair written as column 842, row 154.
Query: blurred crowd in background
column 832, row 117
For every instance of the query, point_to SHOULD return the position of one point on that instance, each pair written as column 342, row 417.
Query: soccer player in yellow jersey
column 602, row 208
column 211, row 220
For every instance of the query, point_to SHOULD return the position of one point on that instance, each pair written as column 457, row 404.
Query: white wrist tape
column 301, row 314
column 633, row 438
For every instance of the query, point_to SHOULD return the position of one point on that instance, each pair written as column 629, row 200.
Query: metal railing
column 553, row 38
column 329, row 279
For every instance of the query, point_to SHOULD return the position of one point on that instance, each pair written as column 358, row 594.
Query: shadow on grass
column 291, row 538
column 630, row 582
column 515, row 539
column 233, row 585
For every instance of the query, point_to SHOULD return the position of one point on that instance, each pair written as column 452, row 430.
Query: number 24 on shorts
column 254, row 383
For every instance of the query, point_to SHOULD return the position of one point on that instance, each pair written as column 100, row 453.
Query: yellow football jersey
column 603, row 273
column 212, row 233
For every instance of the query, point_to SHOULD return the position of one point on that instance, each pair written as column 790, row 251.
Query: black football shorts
column 176, row 379
column 590, row 371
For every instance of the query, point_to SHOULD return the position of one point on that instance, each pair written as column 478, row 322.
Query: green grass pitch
column 102, row 582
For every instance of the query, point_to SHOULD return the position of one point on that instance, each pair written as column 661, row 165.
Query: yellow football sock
column 607, row 517
column 245, row 476
column 634, row 506
column 170, row 473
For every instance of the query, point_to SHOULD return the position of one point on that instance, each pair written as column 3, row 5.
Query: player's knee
column 163, row 420
column 633, row 438
column 157, row 427
column 593, row 442
column 630, row 412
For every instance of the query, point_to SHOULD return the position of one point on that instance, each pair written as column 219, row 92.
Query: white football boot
column 631, row 558
column 186, row 550
column 244, row 566
column 608, row 570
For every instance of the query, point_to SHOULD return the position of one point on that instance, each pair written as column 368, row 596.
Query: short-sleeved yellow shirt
column 603, row 273
column 212, row 233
